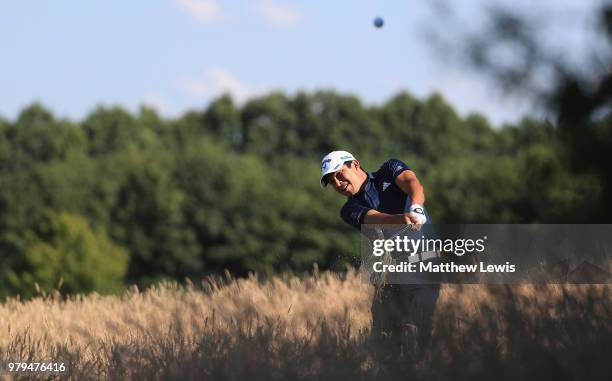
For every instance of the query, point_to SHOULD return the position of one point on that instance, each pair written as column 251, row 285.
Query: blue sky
column 179, row 54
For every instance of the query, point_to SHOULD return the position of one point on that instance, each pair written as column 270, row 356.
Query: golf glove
column 417, row 212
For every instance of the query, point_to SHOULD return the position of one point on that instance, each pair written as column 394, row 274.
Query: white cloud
column 215, row 82
column 278, row 14
column 205, row 12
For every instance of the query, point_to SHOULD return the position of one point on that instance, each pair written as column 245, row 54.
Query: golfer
column 391, row 195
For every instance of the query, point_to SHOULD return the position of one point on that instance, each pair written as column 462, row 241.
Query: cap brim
column 337, row 166
column 323, row 182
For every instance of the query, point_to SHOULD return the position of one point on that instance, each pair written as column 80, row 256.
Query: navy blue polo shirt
column 379, row 193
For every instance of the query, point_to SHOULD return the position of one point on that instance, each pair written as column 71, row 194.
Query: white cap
column 333, row 161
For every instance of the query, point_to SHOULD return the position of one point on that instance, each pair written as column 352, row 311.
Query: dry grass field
column 310, row 328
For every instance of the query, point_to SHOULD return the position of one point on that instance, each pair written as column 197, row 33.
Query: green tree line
column 122, row 198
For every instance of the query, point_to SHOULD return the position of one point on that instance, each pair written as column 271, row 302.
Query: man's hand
column 410, row 220
column 417, row 214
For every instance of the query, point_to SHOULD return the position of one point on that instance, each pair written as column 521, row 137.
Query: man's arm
column 375, row 217
column 409, row 184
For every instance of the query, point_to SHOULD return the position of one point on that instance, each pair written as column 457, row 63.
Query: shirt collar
column 368, row 183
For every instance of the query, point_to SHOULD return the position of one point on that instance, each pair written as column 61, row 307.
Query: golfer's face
column 344, row 180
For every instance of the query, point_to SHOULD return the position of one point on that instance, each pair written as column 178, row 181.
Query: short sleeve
column 392, row 168
column 353, row 213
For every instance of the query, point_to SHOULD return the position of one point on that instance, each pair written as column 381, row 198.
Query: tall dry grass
column 314, row 327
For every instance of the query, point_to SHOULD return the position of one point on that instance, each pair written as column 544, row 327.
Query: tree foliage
column 122, row 198
column 65, row 252
column 571, row 84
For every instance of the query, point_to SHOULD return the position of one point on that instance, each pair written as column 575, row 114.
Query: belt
column 425, row 255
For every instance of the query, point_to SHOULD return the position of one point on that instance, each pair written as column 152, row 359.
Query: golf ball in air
column 378, row 22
